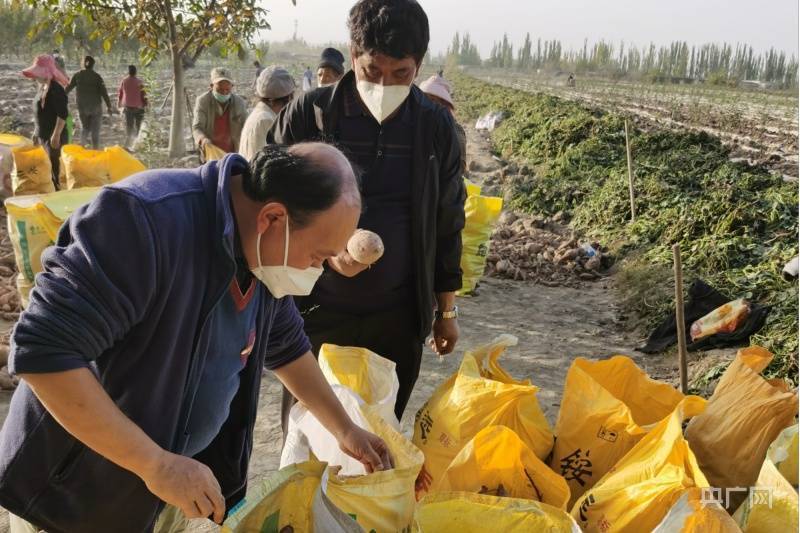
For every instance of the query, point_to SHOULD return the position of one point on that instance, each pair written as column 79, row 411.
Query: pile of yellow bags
column 620, row 463
column 481, row 214
column 479, row 395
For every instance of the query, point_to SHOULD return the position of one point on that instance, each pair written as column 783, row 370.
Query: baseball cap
column 221, row 74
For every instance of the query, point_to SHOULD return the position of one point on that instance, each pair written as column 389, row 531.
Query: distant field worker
column 92, row 93
column 330, row 68
column 50, row 109
column 132, row 98
column 219, row 114
column 438, row 89
column 275, row 88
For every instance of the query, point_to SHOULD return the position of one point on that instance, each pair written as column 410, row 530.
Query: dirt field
column 553, row 324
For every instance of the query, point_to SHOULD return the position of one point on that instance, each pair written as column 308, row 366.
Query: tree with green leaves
column 181, row 29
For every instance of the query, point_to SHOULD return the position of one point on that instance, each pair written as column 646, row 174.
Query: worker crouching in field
column 142, row 349
column 412, row 189
column 219, row 114
column 438, row 89
column 275, row 89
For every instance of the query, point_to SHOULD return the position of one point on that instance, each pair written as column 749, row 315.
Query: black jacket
column 437, row 187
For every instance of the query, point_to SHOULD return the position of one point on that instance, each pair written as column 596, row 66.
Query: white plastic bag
column 306, row 435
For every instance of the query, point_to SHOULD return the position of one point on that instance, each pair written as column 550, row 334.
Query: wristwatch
column 453, row 313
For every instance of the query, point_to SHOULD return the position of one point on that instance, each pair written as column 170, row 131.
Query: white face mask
column 284, row 280
column 382, row 100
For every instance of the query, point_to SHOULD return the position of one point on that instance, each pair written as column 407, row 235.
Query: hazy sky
column 762, row 23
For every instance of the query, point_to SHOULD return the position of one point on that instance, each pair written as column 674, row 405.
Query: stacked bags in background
column 33, row 224
column 37, row 210
column 481, row 212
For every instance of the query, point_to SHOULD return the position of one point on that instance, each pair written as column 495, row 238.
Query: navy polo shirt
column 382, row 152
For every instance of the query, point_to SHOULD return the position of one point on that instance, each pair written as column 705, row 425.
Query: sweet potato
column 365, row 246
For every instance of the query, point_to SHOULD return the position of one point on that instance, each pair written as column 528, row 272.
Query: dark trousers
column 90, row 125
column 55, row 156
column 392, row 334
column 133, row 123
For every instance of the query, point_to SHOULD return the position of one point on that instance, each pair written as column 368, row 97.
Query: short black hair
column 88, row 61
column 300, row 183
column 396, row 28
column 132, row 70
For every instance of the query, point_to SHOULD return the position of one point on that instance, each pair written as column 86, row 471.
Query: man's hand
column 345, row 265
column 55, row 141
column 367, row 448
column 187, row 484
column 445, row 335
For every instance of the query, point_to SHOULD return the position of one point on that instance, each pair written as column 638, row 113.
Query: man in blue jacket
column 142, row 350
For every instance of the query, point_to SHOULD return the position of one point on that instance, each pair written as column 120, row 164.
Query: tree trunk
column 177, row 143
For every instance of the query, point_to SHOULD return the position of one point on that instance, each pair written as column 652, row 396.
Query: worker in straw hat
column 50, row 111
column 275, row 88
column 219, row 114
column 437, row 88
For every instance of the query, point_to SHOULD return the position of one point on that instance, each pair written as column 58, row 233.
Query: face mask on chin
column 283, row 280
column 382, row 100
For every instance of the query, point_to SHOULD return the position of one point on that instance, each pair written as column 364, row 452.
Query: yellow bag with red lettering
column 497, row 462
column 638, row 492
column 289, row 500
column 608, row 406
column 465, row 512
column 480, row 394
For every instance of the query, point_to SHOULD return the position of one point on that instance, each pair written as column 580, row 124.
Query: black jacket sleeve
column 450, row 212
column 292, row 124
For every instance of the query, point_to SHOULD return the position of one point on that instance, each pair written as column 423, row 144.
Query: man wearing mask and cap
column 219, row 114
column 412, row 189
column 275, row 88
column 330, row 68
column 92, row 93
column 142, row 349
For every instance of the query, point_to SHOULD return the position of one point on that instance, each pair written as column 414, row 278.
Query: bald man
column 141, row 352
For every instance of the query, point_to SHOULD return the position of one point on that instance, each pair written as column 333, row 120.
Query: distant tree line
column 712, row 62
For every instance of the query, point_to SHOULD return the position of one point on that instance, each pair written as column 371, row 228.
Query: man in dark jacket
column 142, row 349
column 92, row 93
column 412, row 190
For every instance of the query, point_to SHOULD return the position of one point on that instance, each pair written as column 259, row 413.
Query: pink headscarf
column 44, row 66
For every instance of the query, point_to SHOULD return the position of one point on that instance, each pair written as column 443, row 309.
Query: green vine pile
column 736, row 224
